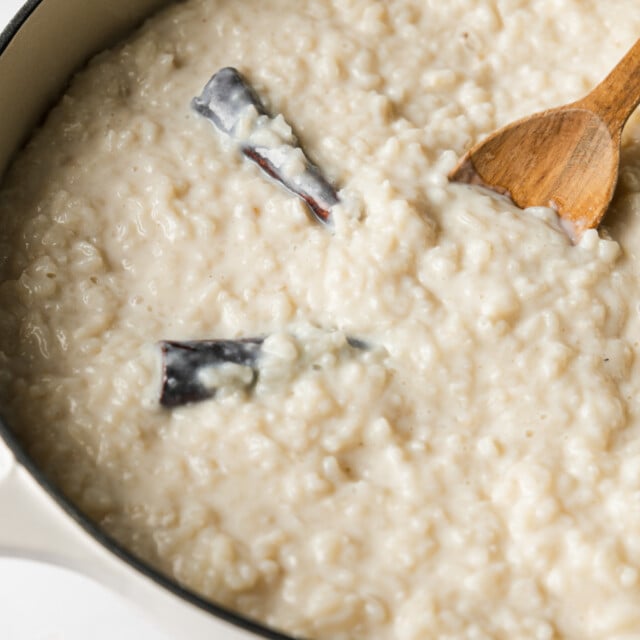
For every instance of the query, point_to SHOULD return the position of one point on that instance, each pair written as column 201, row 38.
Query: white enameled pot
column 39, row 50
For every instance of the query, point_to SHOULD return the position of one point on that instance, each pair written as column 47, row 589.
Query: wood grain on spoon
column 565, row 158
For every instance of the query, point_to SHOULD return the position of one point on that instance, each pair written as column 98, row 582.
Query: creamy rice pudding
column 475, row 473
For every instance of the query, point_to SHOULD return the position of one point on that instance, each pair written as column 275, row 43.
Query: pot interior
column 46, row 42
column 40, row 49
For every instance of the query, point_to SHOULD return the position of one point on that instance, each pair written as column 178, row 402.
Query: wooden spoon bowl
column 565, row 158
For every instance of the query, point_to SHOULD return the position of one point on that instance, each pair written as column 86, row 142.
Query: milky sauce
column 474, row 473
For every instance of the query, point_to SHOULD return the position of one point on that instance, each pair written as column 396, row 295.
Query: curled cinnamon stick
column 224, row 102
column 190, row 368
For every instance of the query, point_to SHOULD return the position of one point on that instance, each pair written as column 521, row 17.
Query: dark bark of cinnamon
column 183, row 362
column 223, row 101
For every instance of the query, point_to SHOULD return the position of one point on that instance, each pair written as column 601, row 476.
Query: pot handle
column 34, row 526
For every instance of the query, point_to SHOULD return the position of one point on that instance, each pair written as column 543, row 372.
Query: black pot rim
column 16, row 22
column 24, row 459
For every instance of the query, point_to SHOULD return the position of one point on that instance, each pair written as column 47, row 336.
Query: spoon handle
column 617, row 96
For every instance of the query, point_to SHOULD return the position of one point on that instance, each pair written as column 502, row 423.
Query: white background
column 7, row 9
column 43, row 602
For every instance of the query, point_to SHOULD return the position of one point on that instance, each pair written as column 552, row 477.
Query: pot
column 43, row 45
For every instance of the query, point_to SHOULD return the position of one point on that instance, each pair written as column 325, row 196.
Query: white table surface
column 7, row 9
column 43, row 602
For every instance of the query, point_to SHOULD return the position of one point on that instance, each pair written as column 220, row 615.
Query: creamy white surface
column 479, row 475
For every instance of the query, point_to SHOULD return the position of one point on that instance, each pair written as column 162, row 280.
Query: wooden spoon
column 565, row 158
